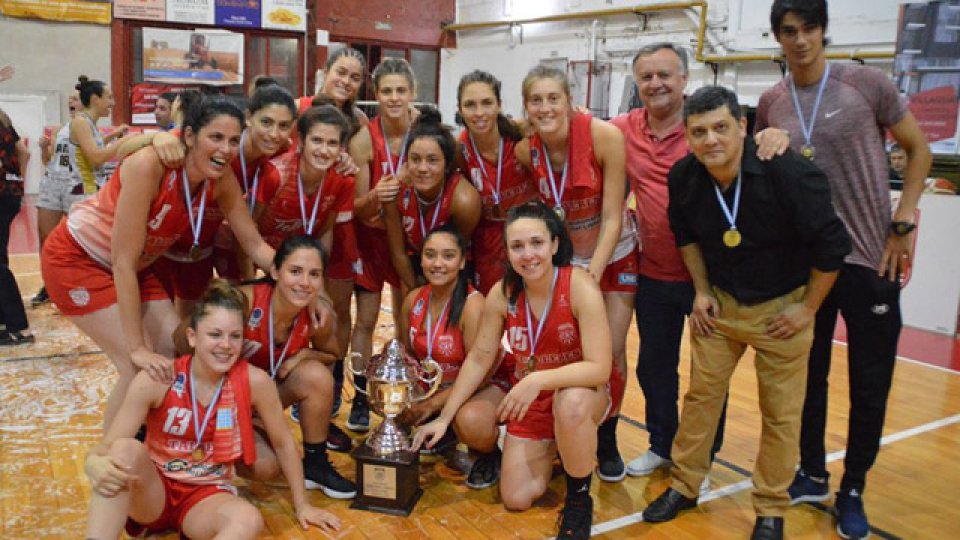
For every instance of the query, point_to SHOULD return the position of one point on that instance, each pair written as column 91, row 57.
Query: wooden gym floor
column 52, row 392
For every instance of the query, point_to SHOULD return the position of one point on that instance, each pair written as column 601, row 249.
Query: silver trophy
column 393, row 384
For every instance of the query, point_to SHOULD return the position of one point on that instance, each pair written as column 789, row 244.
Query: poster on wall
column 213, row 57
column 285, row 15
column 238, row 13
column 143, row 100
column 927, row 68
column 191, row 11
column 88, row 11
column 146, row 10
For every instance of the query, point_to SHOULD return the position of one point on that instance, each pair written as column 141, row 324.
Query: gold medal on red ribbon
column 731, row 238
column 198, row 453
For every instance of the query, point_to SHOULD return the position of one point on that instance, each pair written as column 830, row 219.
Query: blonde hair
column 544, row 72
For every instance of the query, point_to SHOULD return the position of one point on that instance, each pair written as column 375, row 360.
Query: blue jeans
column 661, row 308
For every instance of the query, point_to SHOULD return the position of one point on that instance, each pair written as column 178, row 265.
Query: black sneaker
column 40, row 298
column 610, row 467
column 359, row 419
column 575, row 519
column 318, row 473
column 485, row 471
column 338, row 440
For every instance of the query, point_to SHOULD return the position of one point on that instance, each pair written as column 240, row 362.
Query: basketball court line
column 743, row 485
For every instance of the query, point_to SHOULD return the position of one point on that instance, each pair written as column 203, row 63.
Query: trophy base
column 387, row 484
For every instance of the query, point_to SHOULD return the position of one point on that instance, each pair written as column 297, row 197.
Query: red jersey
column 516, row 188
column 256, row 333
column 382, row 164
column 284, row 211
column 417, row 222
column 582, row 196
column 91, row 221
column 171, row 435
column 448, row 348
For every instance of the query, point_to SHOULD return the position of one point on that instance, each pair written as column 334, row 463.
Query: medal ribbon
column 557, row 196
column 436, row 211
column 198, row 429
column 483, row 167
column 808, row 132
column 535, row 338
column 431, row 335
column 248, row 192
column 386, row 147
column 276, row 362
column 195, row 224
column 308, row 225
column 731, row 216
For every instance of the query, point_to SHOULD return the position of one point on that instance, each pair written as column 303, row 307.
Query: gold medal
column 560, row 213
column 198, row 453
column 531, row 363
column 808, row 151
column 196, row 252
column 731, row 238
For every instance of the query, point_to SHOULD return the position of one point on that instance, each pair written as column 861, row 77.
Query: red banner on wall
column 143, row 99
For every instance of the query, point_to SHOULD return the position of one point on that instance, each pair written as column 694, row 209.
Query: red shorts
column 186, row 280
column 375, row 266
column 539, row 421
column 180, row 499
column 621, row 275
column 489, row 255
column 343, row 255
column 79, row 285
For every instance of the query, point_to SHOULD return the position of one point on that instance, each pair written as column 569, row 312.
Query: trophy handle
column 350, row 372
column 434, row 382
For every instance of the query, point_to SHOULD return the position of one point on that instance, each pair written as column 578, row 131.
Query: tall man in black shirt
column 763, row 246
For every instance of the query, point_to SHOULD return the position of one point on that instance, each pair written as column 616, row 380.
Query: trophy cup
column 388, row 475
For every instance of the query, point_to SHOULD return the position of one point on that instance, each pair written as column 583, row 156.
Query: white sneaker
column 705, row 486
column 646, row 464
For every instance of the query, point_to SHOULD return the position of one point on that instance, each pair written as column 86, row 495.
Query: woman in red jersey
column 433, row 194
column 97, row 263
column 559, row 389
column 487, row 158
column 378, row 151
column 185, row 272
column 301, row 191
column 578, row 163
column 279, row 338
column 440, row 319
column 180, row 477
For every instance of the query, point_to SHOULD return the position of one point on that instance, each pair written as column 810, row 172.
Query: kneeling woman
column 280, row 339
column 180, row 477
column 440, row 320
column 559, row 389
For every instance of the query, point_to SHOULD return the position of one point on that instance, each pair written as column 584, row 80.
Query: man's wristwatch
column 902, row 228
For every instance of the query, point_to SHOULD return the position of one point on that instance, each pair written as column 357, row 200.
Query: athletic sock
column 315, row 453
column 578, row 488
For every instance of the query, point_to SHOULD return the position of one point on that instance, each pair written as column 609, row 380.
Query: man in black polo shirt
column 763, row 246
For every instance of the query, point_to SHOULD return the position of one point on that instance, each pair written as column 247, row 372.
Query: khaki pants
column 781, row 366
